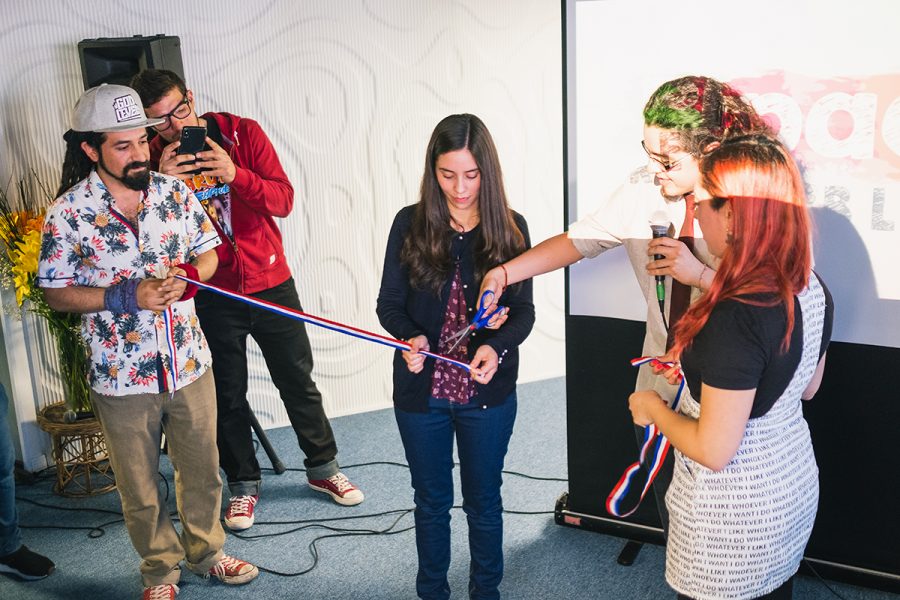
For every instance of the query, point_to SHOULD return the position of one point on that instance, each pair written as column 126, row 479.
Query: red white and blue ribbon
column 319, row 321
column 171, row 373
column 654, row 449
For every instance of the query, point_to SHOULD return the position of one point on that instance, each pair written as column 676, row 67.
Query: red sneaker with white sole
column 339, row 488
column 165, row 591
column 233, row 571
column 239, row 514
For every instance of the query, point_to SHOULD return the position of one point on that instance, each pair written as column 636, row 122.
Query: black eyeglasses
column 666, row 166
column 181, row 111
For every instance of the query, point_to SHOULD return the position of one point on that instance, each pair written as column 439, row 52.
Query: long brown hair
column 770, row 251
column 426, row 249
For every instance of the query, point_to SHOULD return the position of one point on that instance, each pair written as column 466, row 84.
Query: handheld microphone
column 659, row 225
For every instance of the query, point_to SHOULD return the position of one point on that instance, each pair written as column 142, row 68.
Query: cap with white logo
column 109, row 107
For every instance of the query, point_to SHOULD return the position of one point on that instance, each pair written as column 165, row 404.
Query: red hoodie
column 254, row 260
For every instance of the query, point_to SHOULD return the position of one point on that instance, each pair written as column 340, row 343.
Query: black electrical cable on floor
column 822, row 579
column 338, row 532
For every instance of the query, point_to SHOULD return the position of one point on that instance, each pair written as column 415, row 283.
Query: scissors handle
column 481, row 319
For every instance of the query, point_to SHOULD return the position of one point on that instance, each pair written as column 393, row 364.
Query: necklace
column 459, row 227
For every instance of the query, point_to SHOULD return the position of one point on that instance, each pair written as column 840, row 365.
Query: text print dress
column 741, row 532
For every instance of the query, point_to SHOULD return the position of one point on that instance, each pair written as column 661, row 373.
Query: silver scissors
column 481, row 319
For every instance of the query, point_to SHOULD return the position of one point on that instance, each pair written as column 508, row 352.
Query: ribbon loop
column 654, row 449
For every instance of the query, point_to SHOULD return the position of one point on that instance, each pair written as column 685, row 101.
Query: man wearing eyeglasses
column 244, row 188
column 683, row 119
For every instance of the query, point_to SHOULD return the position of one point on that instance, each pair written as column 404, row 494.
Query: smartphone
column 193, row 139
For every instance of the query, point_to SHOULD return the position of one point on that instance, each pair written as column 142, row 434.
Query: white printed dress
column 740, row 533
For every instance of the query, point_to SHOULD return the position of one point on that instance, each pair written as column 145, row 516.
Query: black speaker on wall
column 117, row 60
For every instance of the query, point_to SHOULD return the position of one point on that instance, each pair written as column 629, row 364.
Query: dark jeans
column 286, row 350
column 10, row 536
column 784, row 592
column 482, row 438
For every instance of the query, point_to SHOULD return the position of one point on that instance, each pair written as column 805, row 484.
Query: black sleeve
column 519, row 299
column 395, row 288
column 736, row 345
column 829, row 318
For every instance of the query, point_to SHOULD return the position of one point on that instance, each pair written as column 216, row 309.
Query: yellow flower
column 24, row 258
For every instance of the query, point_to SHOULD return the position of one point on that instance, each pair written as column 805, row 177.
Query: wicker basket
column 79, row 450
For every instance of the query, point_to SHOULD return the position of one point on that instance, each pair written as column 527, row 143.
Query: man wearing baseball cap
column 112, row 243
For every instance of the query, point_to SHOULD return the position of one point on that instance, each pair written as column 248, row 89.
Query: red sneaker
column 233, row 571
column 239, row 514
column 165, row 591
column 339, row 488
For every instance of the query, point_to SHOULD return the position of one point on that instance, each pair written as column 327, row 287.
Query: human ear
column 90, row 151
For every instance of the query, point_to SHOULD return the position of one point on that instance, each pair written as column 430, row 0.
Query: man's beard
column 138, row 183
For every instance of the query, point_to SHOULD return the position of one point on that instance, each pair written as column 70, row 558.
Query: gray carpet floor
column 543, row 560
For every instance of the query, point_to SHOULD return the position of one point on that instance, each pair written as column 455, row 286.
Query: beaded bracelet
column 700, row 280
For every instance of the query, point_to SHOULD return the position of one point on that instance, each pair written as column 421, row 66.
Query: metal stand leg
column 277, row 465
column 629, row 553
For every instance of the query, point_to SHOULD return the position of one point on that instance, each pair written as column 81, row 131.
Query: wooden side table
column 79, row 450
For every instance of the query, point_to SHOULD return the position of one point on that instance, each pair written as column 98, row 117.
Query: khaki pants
column 133, row 426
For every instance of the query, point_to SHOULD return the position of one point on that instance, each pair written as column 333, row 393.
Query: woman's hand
column 672, row 373
column 499, row 319
column 494, row 281
column 642, row 404
column 484, row 364
column 677, row 261
column 415, row 362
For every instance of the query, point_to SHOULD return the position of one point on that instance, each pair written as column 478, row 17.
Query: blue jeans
column 10, row 536
column 482, row 437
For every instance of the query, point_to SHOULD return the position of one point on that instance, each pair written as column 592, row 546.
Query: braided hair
column 76, row 164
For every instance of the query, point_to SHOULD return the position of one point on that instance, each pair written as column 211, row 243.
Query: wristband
column 190, row 271
column 122, row 297
column 113, row 299
column 130, row 295
column 505, row 277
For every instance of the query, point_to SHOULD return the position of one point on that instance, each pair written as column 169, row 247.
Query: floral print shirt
column 86, row 242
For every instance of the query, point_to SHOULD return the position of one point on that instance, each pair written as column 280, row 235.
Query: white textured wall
column 349, row 91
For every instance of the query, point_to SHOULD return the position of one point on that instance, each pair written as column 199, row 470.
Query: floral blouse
column 86, row 242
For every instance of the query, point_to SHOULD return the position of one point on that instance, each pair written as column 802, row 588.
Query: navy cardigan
column 406, row 312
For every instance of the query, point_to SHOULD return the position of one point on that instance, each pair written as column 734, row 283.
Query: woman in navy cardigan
column 437, row 253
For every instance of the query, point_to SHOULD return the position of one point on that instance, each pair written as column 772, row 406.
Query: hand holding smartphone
column 193, row 138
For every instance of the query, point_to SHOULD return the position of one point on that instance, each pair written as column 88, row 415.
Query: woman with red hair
column 745, row 490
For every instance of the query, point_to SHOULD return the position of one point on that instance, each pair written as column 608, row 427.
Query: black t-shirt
column 739, row 348
column 213, row 132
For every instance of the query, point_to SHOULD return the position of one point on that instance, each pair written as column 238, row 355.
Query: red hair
column 770, row 251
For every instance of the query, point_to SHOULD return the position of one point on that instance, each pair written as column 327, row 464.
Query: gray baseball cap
column 109, row 107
